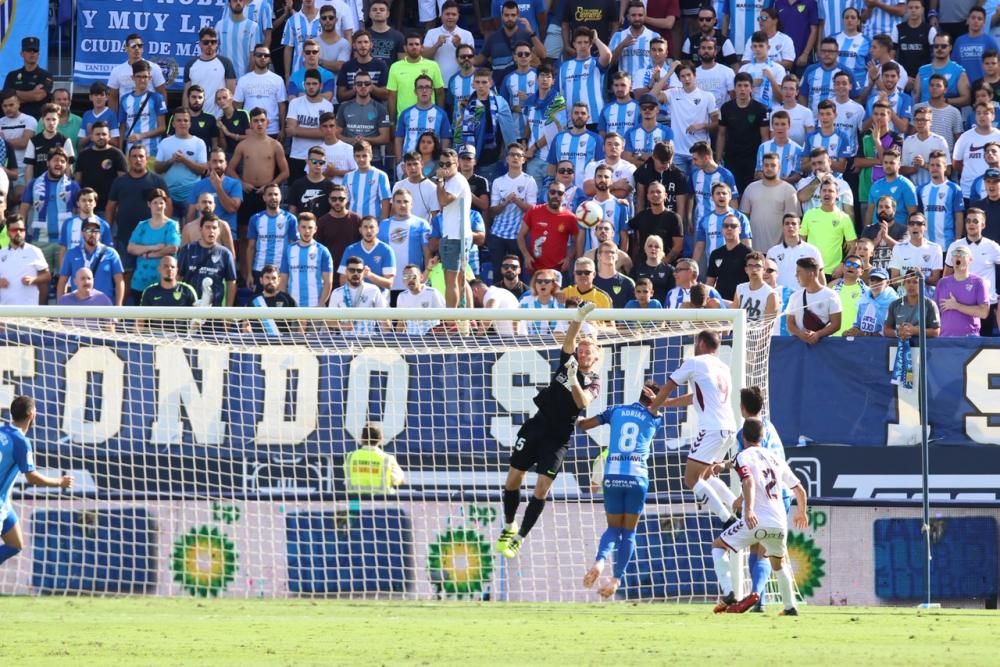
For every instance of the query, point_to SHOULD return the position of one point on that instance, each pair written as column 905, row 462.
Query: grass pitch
column 156, row 631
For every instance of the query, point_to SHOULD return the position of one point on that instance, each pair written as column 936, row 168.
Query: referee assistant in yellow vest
column 368, row 469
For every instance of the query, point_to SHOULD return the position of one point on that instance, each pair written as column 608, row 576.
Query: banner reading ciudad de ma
column 169, row 29
column 20, row 19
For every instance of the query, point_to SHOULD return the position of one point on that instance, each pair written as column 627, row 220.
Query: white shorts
column 711, row 446
column 739, row 536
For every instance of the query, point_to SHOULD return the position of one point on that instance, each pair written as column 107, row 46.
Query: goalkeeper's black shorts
column 541, row 445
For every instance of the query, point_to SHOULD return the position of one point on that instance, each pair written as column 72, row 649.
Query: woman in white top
column 544, row 285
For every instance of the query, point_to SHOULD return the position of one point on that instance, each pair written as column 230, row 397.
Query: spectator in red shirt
column 550, row 228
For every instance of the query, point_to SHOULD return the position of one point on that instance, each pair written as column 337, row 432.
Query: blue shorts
column 9, row 522
column 624, row 494
column 453, row 254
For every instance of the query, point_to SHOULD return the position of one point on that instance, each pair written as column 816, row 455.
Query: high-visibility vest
column 366, row 471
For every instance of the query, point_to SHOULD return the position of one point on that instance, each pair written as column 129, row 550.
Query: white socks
column 784, row 576
column 716, row 496
column 720, row 557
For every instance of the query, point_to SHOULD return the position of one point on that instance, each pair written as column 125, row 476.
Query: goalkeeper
column 626, row 480
column 543, row 440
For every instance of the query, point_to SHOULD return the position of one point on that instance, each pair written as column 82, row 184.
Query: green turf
column 154, row 631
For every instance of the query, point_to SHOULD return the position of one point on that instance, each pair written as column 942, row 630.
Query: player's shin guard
column 626, row 548
column 715, row 503
column 609, row 540
column 511, row 499
column 785, row 586
column 6, row 552
column 531, row 514
column 760, row 571
column 720, row 557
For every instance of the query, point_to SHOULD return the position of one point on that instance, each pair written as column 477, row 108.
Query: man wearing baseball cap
column 32, row 84
column 105, row 264
column 873, row 305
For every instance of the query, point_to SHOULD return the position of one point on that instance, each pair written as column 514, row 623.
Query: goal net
column 208, row 455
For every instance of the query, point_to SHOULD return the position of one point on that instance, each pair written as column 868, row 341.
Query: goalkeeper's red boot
column 743, row 605
column 723, row 604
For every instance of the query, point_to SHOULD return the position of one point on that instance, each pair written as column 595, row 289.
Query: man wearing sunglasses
column 120, row 80
column 262, row 88
column 545, row 232
column 917, row 252
column 849, row 289
column 209, row 70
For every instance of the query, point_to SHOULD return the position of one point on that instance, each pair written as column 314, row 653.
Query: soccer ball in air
column 589, row 213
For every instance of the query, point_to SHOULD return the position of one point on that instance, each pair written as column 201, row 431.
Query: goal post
column 211, row 461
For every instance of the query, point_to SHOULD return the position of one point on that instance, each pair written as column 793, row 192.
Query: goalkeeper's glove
column 584, row 309
column 571, row 379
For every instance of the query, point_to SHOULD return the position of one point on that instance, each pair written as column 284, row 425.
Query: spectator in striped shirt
column 369, row 187
column 307, row 268
column 237, row 35
column 268, row 234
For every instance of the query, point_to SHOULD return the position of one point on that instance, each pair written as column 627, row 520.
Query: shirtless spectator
column 263, row 161
column 192, row 230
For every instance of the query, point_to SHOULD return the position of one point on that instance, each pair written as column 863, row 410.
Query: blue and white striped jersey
column 790, row 156
column 305, row 265
column 367, row 190
column 298, row 29
column 458, row 90
column 854, row 55
column 831, row 13
column 881, row 22
column 940, row 203
column 540, row 327
column 709, row 229
column 578, row 149
column 52, row 203
column 129, row 108
column 273, row 234
column 507, row 222
column 701, row 188
column 838, row 144
column 583, row 81
column 541, row 114
column 743, row 15
column 641, row 140
column 817, row 84
column 901, row 103
column 514, row 83
column 614, row 211
column 634, row 58
column 260, row 11
column 619, row 117
column 415, row 121
column 236, row 41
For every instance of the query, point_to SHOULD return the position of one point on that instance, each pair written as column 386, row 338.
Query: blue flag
column 20, row 19
column 902, row 364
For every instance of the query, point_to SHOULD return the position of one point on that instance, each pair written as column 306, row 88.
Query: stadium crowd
column 800, row 156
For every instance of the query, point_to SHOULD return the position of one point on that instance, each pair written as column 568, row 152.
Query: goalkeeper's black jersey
column 555, row 402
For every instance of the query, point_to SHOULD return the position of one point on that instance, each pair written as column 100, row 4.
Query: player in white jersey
column 716, row 425
column 762, row 474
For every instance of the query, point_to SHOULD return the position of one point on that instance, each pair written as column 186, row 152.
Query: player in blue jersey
column 751, row 407
column 626, row 479
column 16, row 456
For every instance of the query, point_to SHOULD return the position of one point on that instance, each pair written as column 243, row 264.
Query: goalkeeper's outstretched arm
column 573, row 330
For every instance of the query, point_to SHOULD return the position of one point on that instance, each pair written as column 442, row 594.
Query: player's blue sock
column 6, row 552
column 760, row 572
column 608, row 541
column 626, row 548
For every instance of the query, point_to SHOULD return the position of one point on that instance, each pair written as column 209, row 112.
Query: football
column 589, row 213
